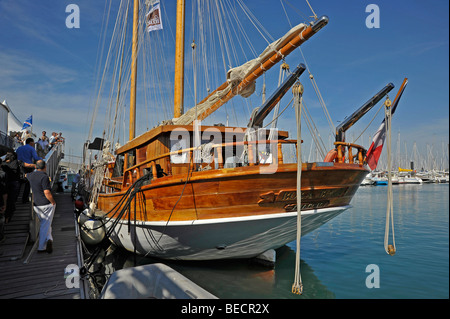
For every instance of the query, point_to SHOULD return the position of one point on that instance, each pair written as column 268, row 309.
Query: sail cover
column 236, row 75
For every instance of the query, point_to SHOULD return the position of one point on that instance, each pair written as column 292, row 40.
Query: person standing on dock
column 3, row 201
column 44, row 205
column 27, row 154
column 26, row 135
column 42, row 145
column 52, row 141
column 11, row 167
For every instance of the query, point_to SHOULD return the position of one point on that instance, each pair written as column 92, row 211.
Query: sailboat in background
column 187, row 191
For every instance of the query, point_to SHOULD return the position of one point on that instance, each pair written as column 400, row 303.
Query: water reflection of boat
column 232, row 279
column 152, row 281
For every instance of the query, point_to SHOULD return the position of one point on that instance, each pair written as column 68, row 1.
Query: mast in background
column 134, row 70
column 179, row 61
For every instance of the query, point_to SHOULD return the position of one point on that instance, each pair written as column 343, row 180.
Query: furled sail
column 236, row 79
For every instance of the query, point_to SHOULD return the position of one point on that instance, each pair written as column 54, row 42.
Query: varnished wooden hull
column 241, row 209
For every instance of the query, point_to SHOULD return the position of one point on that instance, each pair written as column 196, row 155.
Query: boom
column 223, row 93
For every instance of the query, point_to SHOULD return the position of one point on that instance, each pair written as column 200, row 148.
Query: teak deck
column 43, row 274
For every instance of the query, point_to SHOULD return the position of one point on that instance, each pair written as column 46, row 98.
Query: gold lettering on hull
column 311, row 199
column 310, row 194
column 306, row 206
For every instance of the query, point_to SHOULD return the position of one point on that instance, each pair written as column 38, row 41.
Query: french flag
column 374, row 152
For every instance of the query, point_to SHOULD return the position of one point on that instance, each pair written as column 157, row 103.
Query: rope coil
column 390, row 249
column 297, row 90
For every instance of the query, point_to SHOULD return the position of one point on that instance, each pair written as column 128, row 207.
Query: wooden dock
column 27, row 274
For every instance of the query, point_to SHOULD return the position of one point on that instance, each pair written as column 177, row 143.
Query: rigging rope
column 120, row 76
column 297, row 286
column 319, row 96
column 122, row 207
column 100, row 48
column 284, row 68
column 315, row 15
column 354, row 141
column 194, row 64
column 105, row 70
column 301, row 14
column 390, row 249
column 315, row 134
column 255, row 22
column 317, row 138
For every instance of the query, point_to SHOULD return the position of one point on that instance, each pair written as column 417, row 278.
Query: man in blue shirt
column 27, row 154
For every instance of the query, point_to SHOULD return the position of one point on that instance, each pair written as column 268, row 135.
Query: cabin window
column 118, row 166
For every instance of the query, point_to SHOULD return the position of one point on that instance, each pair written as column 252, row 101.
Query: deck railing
column 6, row 140
column 361, row 152
column 52, row 160
column 136, row 171
column 344, row 154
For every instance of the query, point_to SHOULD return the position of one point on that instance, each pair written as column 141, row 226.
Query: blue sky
column 48, row 70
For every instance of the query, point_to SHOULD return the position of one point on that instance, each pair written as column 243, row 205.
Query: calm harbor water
column 334, row 257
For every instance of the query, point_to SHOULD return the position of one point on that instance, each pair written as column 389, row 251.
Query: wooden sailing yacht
column 185, row 191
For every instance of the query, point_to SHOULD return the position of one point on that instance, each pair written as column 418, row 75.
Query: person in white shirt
column 52, row 140
column 26, row 134
column 42, row 148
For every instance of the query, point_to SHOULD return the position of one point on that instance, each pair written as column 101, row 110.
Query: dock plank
column 43, row 277
column 16, row 233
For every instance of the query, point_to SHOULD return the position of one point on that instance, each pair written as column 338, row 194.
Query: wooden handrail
column 340, row 156
column 128, row 173
column 191, row 149
column 128, row 177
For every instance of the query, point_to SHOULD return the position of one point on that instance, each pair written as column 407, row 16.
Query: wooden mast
column 179, row 61
column 134, row 71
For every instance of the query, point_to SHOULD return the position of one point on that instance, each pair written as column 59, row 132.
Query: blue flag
column 28, row 122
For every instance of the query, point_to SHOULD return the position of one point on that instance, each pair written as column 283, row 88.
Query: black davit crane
column 352, row 119
column 259, row 114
